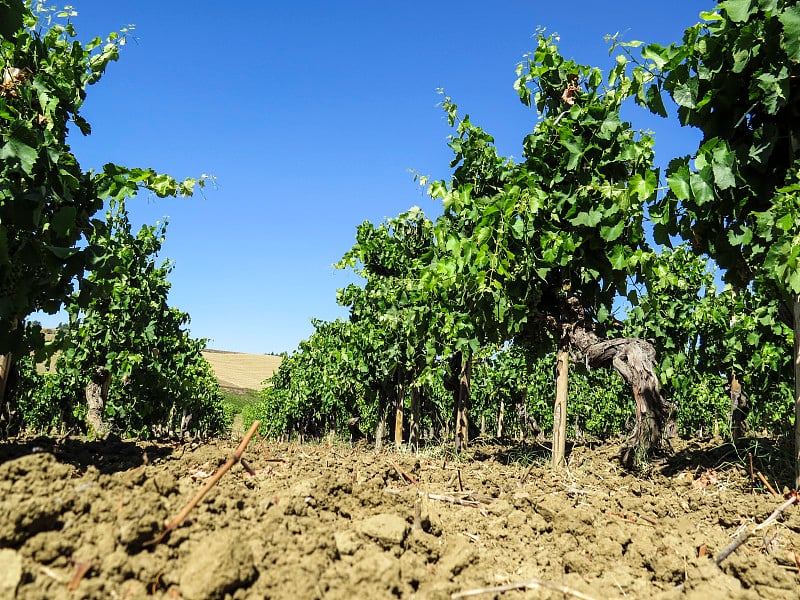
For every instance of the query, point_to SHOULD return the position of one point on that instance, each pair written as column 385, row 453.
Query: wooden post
column 380, row 427
column 500, row 419
column 796, row 312
column 462, row 405
column 414, row 426
column 560, row 407
column 398, row 415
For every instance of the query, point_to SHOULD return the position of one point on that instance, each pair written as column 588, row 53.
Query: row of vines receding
column 671, row 296
column 579, row 270
column 125, row 361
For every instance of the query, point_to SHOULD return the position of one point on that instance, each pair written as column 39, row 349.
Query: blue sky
column 310, row 116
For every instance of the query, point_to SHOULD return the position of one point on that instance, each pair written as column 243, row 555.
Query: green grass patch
column 234, row 403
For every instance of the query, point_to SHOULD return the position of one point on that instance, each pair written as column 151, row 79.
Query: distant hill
column 234, row 370
column 240, row 371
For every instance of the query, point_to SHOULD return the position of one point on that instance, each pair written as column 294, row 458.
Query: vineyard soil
column 331, row 521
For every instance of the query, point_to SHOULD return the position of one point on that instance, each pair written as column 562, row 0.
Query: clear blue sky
column 310, row 115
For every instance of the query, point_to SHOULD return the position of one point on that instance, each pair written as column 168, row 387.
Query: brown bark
column 414, row 425
column 634, row 360
column 739, row 407
column 5, row 370
column 560, row 406
column 796, row 314
column 8, row 410
column 96, row 394
column 398, row 415
column 380, row 427
column 462, row 405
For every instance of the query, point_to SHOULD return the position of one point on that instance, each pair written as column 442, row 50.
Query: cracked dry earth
column 330, row 521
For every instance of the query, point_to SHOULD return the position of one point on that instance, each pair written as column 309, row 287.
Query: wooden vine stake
column 234, row 458
column 560, row 406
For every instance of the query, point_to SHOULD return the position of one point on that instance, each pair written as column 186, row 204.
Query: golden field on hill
column 238, row 370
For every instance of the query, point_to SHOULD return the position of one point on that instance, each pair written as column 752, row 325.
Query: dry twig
column 234, row 458
column 247, row 467
column 403, row 473
column 531, row 584
column 742, row 538
column 81, row 568
column 766, row 483
column 649, row 521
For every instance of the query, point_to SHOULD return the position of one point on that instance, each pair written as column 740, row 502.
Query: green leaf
column 654, row 101
column 793, row 281
column 743, row 238
column 602, row 314
column 790, row 19
column 655, row 53
column 661, row 234
column 702, row 190
column 786, row 222
column 679, row 183
column 590, row 219
column 737, row 10
column 685, row 94
column 575, row 152
column 15, row 148
column 610, row 234
column 644, row 186
column 618, row 258
column 63, row 220
column 722, row 164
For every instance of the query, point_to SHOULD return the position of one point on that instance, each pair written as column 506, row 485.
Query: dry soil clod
column 234, row 458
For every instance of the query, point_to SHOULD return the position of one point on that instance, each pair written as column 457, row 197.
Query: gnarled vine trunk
column 414, row 433
column 7, row 409
column 96, row 394
column 634, row 360
column 458, row 381
column 796, row 327
column 383, row 409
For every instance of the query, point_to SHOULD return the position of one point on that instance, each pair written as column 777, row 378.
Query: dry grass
column 237, row 370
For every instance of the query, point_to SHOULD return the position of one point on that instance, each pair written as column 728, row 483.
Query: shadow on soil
column 768, row 456
column 108, row 456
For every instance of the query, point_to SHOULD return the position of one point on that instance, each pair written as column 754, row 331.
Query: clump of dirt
column 330, row 521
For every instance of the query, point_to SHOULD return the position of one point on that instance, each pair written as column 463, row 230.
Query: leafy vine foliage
column 735, row 77
column 46, row 199
column 538, row 252
column 122, row 333
column 525, row 252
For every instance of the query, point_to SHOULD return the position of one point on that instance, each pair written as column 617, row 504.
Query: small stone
column 347, row 542
column 219, row 564
column 10, row 572
column 458, row 555
column 387, row 529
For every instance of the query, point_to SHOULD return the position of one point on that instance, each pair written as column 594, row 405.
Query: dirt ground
column 331, row 521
